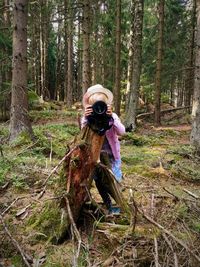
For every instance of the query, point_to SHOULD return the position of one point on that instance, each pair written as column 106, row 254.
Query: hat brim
column 102, row 90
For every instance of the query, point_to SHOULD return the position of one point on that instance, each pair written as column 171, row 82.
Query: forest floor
column 161, row 183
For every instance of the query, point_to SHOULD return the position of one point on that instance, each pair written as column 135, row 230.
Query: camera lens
column 99, row 108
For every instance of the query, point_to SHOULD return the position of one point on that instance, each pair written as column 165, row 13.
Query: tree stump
column 73, row 187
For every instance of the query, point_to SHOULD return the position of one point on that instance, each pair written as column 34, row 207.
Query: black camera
column 99, row 121
column 99, row 108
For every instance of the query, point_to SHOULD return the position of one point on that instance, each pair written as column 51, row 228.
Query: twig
column 180, row 242
column 58, row 165
column 178, row 198
column 171, row 247
column 53, row 171
column 169, row 192
column 152, row 206
column 75, row 230
column 15, row 243
column 134, row 210
column 26, row 148
column 7, row 209
column 156, row 252
column 190, row 193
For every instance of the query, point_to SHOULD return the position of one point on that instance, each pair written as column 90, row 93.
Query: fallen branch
column 73, row 225
column 7, row 209
column 171, row 247
column 15, row 243
column 147, row 114
column 180, row 242
column 191, row 194
column 156, row 252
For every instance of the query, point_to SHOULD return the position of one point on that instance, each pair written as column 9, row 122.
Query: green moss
column 50, row 223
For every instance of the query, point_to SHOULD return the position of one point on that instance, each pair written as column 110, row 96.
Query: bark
column 189, row 83
column 19, row 120
column 76, row 177
column 135, row 68
column 86, row 79
column 66, row 51
column 195, row 134
column 117, row 96
column 70, row 59
column 159, row 62
column 57, row 93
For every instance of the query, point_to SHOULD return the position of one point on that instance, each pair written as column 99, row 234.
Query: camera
column 99, row 121
column 99, row 108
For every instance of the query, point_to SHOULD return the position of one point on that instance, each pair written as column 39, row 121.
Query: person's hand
column 109, row 110
column 88, row 110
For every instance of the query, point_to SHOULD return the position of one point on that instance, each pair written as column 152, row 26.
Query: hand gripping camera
column 99, row 121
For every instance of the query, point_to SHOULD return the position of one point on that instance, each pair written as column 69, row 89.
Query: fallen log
column 149, row 114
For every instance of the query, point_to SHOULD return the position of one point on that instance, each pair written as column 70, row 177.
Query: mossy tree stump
column 73, row 186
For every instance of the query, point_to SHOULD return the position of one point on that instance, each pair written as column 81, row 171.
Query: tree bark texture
column 136, row 47
column 70, row 58
column 159, row 62
column 189, row 83
column 117, row 96
column 86, row 79
column 19, row 120
column 77, row 172
column 195, row 134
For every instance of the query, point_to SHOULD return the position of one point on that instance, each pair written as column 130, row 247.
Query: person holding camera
column 97, row 103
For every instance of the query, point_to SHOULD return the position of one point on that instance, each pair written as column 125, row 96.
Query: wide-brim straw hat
column 98, row 88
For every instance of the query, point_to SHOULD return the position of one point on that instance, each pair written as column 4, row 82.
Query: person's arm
column 118, row 126
column 87, row 112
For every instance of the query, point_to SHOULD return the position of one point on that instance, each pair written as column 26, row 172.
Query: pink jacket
column 112, row 135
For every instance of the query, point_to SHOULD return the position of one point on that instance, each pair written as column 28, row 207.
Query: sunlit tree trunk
column 117, row 96
column 195, row 134
column 19, row 120
column 86, row 79
column 159, row 62
column 135, row 68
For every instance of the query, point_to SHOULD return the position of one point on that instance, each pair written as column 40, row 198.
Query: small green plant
column 18, row 182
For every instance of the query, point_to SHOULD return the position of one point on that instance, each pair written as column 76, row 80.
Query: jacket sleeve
column 83, row 122
column 118, row 126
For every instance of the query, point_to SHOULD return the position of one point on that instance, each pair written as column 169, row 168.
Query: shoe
column 114, row 211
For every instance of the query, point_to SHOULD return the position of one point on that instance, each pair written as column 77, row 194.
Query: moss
column 50, row 223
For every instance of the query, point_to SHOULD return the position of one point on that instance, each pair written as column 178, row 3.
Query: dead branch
column 171, row 247
column 15, row 243
column 58, row 165
column 156, row 252
column 191, row 194
column 75, row 230
column 7, row 209
column 180, row 242
column 148, row 114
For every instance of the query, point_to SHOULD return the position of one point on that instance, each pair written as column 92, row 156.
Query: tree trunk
column 117, row 96
column 159, row 62
column 86, row 79
column 189, row 83
column 70, row 58
column 195, row 134
column 136, row 46
column 19, row 120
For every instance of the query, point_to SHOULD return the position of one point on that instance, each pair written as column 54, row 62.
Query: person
column 110, row 152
